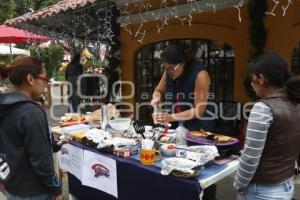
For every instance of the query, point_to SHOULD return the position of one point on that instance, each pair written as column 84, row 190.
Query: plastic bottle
column 181, row 143
column 104, row 117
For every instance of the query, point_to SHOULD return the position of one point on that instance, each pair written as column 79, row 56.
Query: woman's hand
column 163, row 118
column 155, row 102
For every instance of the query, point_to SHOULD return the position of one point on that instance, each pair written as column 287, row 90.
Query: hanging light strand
column 276, row 2
column 238, row 7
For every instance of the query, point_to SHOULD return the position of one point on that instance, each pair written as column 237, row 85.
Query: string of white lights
column 238, row 7
column 276, row 2
column 140, row 32
column 183, row 12
column 181, row 19
column 284, row 8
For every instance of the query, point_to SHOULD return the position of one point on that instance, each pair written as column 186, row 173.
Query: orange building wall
column 283, row 35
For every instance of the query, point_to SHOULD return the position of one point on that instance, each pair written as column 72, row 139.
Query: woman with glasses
column 25, row 144
column 185, row 88
column 271, row 147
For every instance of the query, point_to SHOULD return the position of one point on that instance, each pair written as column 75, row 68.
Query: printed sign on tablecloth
column 71, row 160
column 100, row 172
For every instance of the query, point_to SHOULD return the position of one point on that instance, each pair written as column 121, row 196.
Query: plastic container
column 181, row 143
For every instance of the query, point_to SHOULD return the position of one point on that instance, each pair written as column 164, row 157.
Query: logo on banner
column 100, row 170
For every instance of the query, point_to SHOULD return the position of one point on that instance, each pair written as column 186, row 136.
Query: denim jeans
column 39, row 197
column 281, row 191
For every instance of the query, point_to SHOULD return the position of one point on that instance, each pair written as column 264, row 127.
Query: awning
column 13, row 35
column 5, row 50
column 62, row 18
column 60, row 7
column 68, row 19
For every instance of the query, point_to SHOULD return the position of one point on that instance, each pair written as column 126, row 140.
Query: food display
column 161, row 137
column 196, row 157
column 72, row 118
column 206, row 138
column 197, row 133
column 202, row 154
column 167, row 138
column 120, row 138
column 180, row 167
column 112, row 112
column 168, row 149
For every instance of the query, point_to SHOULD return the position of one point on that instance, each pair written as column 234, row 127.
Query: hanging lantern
column 102, row 52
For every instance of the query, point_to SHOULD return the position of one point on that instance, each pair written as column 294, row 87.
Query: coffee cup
column 149, row 156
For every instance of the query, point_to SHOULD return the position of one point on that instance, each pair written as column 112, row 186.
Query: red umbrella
column 13, row 35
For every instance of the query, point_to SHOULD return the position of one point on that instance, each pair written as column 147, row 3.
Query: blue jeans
column 280, row 191
column 39, row 197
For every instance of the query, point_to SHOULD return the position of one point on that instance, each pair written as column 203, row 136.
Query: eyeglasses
column 45, row 79
column 171, row 68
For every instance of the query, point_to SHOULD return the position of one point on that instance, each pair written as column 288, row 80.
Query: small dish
column 168, row 149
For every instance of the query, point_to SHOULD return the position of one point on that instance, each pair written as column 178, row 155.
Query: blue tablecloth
column 139, row 182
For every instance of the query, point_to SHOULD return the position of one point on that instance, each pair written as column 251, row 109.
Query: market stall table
column 136, row 181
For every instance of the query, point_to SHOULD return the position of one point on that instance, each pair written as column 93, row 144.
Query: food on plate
column 112, row 112
column 78, row 136
column 164, row 138
column 210, row 136
column 197, row 133
column 171, row 146
column 222, row 138
column 168, row 149
column 71, row 119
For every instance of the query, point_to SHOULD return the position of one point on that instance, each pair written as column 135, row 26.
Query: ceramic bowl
column 119, row 124
column 168, row 149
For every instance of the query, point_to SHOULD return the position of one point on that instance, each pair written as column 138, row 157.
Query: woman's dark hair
column 272, row 66
column 293, row 88
column 4, row 70
column 76, row 58
column 173, row 54
column 21, row 67
column 275, row 69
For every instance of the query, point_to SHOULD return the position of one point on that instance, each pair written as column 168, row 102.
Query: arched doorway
column 218, row 57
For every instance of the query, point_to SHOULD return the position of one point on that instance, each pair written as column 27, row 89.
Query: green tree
column 43, row 3
column 11, row 8
column 7, row 10
column 52, row 56
column 23, row 6
column 14, row 8
column 3, row 16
